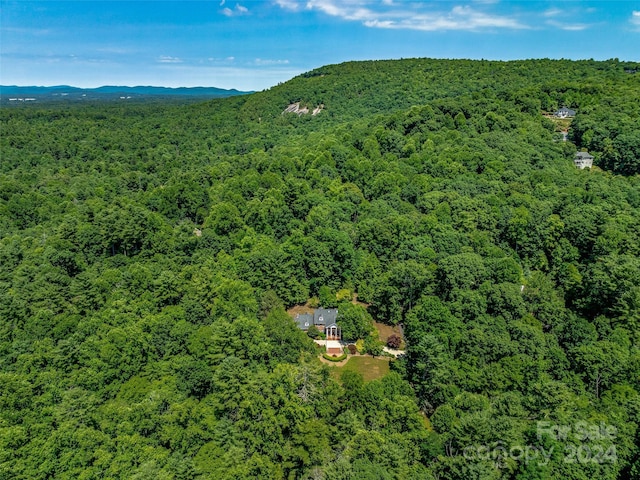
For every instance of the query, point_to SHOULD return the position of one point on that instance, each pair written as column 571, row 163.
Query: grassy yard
column 370, row 368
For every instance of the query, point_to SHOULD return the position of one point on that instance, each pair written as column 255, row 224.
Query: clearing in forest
column 369, row 367
column 385, row 331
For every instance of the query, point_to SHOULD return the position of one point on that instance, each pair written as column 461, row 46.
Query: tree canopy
column 149, row 251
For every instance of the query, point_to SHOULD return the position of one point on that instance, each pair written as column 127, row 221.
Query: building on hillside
column 324, row 319
column 327, row 318
column 304, row 321
column 564, row 112
column 583, row 160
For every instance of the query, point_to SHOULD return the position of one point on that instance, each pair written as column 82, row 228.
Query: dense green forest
column 148, row 253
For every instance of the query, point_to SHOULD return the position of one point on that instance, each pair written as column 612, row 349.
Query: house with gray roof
column 325, row 316
column 324, row 319
column 583, row 160
column 304, row 321
column 564, row 112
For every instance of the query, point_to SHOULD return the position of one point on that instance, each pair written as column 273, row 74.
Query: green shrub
column 332, row 358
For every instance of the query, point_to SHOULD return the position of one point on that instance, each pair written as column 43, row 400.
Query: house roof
column 321, row 318
column 304, row 320
column 583, row 156
column 325, row 316
column 565, row 111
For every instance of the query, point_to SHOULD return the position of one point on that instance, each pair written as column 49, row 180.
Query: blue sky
column 255, row 44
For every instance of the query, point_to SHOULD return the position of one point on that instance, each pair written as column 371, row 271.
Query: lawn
column 370, row 368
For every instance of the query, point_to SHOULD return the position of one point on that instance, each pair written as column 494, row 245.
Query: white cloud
column 552, row 12
column 459, row 18
column 635, row 19
column 571, row 27
column 293, row 5
column 221, row 60
column 556, row 18
column 235, row 12
column 168, row 59
column 408, row 16
column 482, row 20
column 267, row 62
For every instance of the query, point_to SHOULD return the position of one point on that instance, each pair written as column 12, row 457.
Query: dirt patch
column 298, row 309
column 355, row 301
column 562, row 124
column 385, row 331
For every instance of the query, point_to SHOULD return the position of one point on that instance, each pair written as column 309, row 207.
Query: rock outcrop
column 302, row 110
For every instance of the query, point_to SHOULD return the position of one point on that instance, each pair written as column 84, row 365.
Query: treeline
column 148, row 253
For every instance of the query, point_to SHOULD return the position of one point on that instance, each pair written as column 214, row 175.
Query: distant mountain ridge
column 14, row 93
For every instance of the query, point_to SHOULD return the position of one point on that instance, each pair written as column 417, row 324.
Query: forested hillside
column 148, row 253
